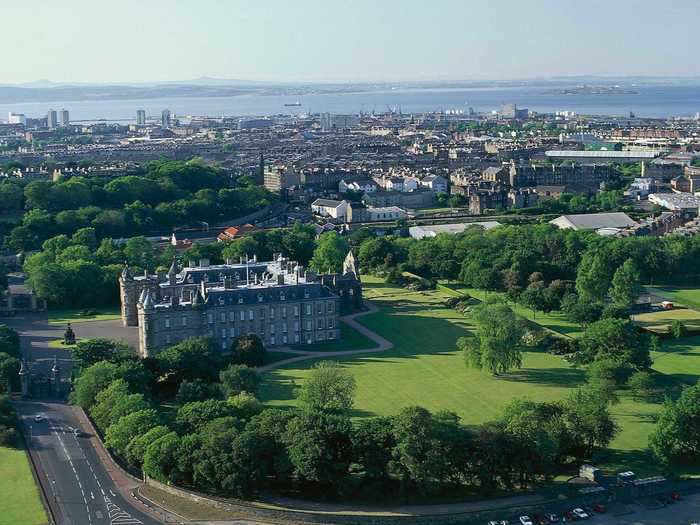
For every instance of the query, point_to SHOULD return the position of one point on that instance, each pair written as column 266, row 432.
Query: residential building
column 52, row 119
column 16, row 118
column 63, row 118
column 278, row 179
column 330, row 208
column 364, row 186
column 165, row 119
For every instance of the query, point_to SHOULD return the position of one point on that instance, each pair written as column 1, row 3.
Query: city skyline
column 357, row 42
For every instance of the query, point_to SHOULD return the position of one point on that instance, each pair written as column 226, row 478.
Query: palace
column 279, row 300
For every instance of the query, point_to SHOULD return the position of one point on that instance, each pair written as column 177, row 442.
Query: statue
column 69, row 336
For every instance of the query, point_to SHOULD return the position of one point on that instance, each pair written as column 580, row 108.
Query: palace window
column 167, row 322
column 184, row 320
column 210, row 318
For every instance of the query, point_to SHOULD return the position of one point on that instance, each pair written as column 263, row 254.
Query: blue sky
column 351, row 40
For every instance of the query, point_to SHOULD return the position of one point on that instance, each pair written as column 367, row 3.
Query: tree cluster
column 159, row 196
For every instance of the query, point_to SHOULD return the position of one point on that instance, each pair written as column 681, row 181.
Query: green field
column 72, row 315
column 660, row 321
column 20, row 502
column 424, row 368
column 689, row 297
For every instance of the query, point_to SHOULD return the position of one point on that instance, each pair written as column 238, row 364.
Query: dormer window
column 240, row 300
column 306, row 294
column 260, row 298
column 221, row 301
column 282, row 297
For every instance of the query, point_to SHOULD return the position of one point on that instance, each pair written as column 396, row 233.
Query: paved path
column 303, row 355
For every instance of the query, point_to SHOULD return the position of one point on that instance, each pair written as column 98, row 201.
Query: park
column 425, row 368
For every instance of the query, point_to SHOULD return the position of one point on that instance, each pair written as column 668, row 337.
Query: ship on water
column 293, row 104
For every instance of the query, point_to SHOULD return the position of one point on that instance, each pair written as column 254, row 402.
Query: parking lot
column 649, row 511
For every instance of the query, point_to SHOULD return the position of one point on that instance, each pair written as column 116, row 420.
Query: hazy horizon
column 321, row 41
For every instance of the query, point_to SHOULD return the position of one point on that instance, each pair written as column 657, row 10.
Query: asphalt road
column 78, row 487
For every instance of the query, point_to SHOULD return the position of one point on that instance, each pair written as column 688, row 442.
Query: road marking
column 92, row 495
column 113, row 494
column 118, row 516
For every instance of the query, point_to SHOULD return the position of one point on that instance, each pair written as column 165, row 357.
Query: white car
column 39, row 418
column 580, row 514
column 525, row 520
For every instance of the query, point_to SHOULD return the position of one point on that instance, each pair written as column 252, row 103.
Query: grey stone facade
column 278, row 301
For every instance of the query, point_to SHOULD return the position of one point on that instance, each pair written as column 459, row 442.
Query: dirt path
column 303, row 355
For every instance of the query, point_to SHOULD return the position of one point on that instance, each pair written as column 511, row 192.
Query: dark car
column 553, row 518
column 675, row 496
column 540, row 519
column 600, row 508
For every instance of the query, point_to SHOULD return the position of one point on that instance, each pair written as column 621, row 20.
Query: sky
column 345, row 40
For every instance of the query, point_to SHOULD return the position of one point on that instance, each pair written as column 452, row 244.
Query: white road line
column 92, row 495
column 113, row 494
column 102, row 490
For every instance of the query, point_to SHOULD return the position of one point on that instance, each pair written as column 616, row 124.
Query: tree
column 119, row 434
column 372, row 443
column 588, row 420
column 642, row 385
column 196, row 390
column 495, row 345
column 625, row 284
column 192, row 416
column 87, row 353
column 248, row 350
column 193, row 358
column 319, row 447
column 615, row 339
column 160, row 457
column 678, row 329
column 136, row 448
column 330, row 253
column 328, row 388
column 239, row 378
column 91, row 381
column 9, row 341
column 244, row 405
column 106, row 400
column 676, row 438
column 580, row 311
column 9, row 370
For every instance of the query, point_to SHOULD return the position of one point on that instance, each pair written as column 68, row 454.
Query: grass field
column 20, row 502
column 689, row 297
column 660, row 321
column 72, row 315
column 424, row 368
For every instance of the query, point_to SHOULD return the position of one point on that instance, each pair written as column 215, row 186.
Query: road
column 79, row 489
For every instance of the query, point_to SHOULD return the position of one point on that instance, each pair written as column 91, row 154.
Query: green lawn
column 424, row 368
column 660, row 321
column 72, row 315
column 689, row 297
column 58, row 343
column 20, row 502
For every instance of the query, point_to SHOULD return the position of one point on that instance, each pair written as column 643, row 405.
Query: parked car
column 502, row 522
column 580, row 514
column 39, row 418
column 553, row 518
column 568, row 515
column 540, row 519
column 600, row 508
column 675, row 496
column 525, row 520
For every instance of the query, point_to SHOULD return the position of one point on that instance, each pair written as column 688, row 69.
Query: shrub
column 678, row 329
